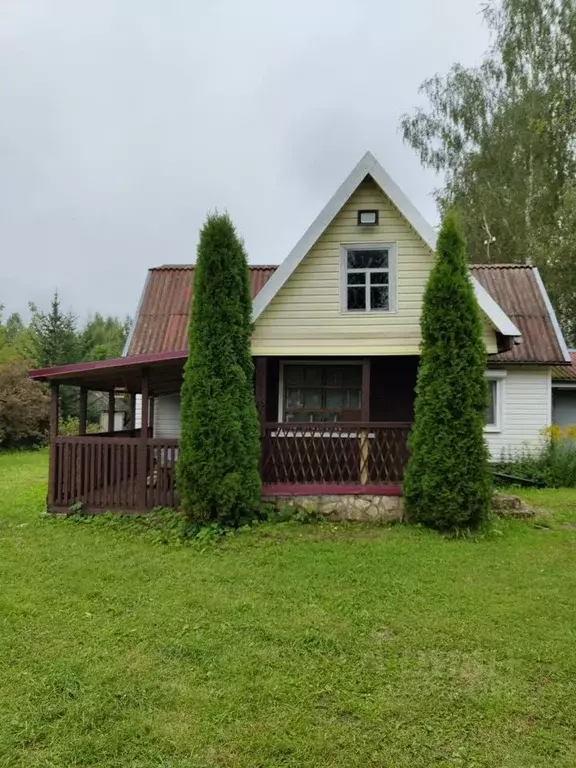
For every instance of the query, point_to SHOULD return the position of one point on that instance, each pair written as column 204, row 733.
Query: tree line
column 503, row 136
column 51, row 337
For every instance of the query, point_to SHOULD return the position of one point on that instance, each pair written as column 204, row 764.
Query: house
column 335, row 344
column 101, row 403
column 564, row 393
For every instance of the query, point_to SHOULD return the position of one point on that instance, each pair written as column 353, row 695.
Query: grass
column 288, row 645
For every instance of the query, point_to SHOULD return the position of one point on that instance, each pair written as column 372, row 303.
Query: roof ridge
column 191, row 266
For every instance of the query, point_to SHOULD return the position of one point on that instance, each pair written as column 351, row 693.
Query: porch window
column 368, row 278
column 322, row 392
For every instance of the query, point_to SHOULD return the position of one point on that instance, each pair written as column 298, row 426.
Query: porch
column 330, row 427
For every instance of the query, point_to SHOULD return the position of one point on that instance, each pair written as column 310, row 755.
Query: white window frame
column 392, row 277
column 500, row 378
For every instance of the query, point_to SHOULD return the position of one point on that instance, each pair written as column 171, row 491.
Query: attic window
column 368, row 278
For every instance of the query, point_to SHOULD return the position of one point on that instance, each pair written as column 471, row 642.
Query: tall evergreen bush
column 448, row 482
column 218, row 478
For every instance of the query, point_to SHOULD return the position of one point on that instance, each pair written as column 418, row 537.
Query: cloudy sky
column 124, row 121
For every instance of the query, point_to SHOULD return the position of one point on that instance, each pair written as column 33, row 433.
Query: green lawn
column 289, row 645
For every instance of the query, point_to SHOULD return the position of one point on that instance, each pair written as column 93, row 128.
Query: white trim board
column 552, row 314
column 368, row 165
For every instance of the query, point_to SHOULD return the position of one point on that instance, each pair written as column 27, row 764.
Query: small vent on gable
column 367, row 218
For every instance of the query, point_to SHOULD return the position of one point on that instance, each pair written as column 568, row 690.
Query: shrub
column 24, row 407
column 448, row 483
column 218, row 478
column 554, row 465
column 71, row 426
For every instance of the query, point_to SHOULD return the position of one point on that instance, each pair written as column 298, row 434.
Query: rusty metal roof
column 517, row 289
column 566, row 372
column 162, row 319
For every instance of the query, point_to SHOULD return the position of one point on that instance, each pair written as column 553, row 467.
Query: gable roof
column 162, row 323
column 369, row 166
column 519, row 290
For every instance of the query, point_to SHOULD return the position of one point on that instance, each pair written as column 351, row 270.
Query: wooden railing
column 108, row 473
column 331, row 453
column 123, row 473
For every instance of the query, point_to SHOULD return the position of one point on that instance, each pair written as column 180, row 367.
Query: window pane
column 294, row 398
column 334, row 398
column 373, row 259
column 294, row 375
column 379, row 297
column 334, row 376
column 357, row 278
column 379, row 278
column 312, row 375
column 356, row 298
column 297, row 416
column 313, row 398
column 353, row 399
column 353, row 375
column 491, row 407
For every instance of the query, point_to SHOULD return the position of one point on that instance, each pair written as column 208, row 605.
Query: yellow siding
column 304, row 318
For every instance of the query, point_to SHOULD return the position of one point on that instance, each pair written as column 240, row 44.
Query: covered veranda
column 360, row 451
column 129, row 470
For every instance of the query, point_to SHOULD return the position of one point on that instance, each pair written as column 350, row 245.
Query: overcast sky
column 124, row 121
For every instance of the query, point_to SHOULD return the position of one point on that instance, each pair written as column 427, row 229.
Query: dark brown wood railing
column 102, row 473
column 334, row 453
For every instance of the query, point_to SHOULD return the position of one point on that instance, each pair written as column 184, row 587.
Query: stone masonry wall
column 366, row 509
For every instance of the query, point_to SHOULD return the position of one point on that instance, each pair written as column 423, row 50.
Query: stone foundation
column 359, row 508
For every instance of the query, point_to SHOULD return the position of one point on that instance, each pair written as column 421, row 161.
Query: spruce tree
column 448, row 483
column 218, row 478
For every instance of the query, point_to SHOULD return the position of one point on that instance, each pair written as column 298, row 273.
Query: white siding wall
column 527, row 411
column 138, row 412
column 166, row 415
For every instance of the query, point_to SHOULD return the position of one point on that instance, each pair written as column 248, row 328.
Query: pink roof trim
column 134, row 361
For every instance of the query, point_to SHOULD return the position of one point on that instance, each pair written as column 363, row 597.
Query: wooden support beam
column 54, row 409
column 142, row 477
column 54, row 417
column 111, row 410
column 83, row 416
column 151, row 417
column 132, row 422
column 366, row 389
column 260, row 387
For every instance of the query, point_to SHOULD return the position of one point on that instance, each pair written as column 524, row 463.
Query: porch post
column 132, row 422
column 366, row 389
column 54, row 416
column 260, row 386
column 83, row 411
column 142, row 476
column 151, row 416
column 260, row 395
column 111, row 410
column 364, row 444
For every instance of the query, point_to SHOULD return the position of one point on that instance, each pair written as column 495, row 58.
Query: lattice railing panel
column 335, row 453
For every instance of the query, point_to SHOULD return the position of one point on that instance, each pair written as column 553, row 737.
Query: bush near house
column 24, row 407
column 447, row 483
column 218, row 478
column 554, row 466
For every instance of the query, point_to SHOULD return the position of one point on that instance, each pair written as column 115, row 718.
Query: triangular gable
column 369, row 166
